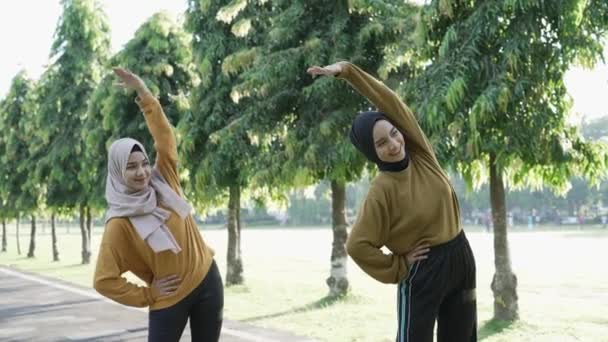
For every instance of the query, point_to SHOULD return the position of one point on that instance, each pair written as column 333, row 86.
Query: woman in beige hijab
column 150, row 232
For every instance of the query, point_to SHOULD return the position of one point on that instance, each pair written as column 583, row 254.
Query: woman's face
column 388, row 141
column 137, row 174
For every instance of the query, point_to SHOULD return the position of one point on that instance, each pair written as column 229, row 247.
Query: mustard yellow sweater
column 122, row 249
column 402, row 209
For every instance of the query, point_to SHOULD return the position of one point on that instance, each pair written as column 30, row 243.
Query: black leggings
column 204, row 308
column 440, row 288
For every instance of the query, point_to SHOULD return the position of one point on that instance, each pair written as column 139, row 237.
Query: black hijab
column 362, row 136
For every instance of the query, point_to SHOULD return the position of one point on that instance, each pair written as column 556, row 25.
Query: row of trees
column 486, row 78
column 313, row 207
column 496, row 91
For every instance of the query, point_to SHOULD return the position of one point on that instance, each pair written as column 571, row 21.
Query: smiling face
column 138, row 172
column 388, row 142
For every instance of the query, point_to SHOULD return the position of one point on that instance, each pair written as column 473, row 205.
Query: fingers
column 168, row 285
column 120, row 72
column 125, row 75
column 129, row 80
column 418, row 258
column 421, row 250
column 165, row 292
column 316, row 71
column 172, row 283
column 313, row 69
column 168, row 279
column 418, row 253
column 169, row 289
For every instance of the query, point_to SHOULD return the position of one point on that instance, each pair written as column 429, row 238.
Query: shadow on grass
column 319, row 304
column 492, row 327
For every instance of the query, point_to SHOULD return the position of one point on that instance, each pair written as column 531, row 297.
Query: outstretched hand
column 129, row 80
column 329, row 70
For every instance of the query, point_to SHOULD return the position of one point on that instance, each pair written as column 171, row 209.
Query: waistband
column 458, row 241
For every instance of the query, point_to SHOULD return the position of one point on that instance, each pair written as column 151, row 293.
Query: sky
column 27, row 28
column 26, row 35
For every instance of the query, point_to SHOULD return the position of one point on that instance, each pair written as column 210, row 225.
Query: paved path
column 39, row 309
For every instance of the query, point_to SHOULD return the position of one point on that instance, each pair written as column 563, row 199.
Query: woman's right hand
column 129, row 80
column 165, row 286
column 329, row 70
column 417, row 254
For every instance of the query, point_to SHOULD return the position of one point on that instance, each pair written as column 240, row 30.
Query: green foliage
column 18, row 193
column 160, row 54
column 78, row 54
column 308, row 120
column 218, row 149
column 495, row 86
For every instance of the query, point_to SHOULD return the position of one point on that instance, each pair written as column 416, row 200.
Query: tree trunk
column 234, row 272
column 30, row 252
column 54, row 238
column 338, row 281
column 89, row 219
column 17, row 232
column 504, row 283
column 86, row 245
column 4, row 235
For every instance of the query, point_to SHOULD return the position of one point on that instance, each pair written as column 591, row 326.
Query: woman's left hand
column 329, row 70
column 417, row 254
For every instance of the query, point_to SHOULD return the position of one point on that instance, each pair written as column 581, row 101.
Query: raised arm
column 158, row 125
column 385, row 100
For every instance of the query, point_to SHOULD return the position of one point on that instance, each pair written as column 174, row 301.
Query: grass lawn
column 562, row 276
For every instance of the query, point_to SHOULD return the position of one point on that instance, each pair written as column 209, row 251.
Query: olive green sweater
column 122, row 249
column 403, row 209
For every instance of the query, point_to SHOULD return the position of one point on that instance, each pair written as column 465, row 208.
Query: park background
column 512, row 94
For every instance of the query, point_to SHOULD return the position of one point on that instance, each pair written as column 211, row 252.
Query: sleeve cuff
column 149, row 296
column 346, row 66
column 403, row 268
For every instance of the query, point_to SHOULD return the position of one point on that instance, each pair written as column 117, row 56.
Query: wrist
column 151, row 295
column 154, row 293
column 142, row 91
column 341, row 68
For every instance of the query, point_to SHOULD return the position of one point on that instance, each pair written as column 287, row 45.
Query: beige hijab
column 141, row 207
